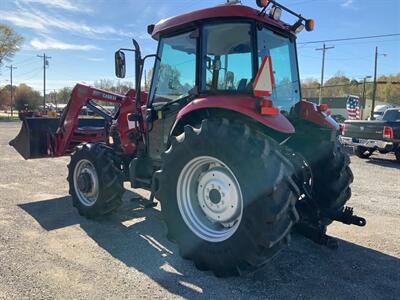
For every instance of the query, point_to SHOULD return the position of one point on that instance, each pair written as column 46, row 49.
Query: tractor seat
column 242, row 85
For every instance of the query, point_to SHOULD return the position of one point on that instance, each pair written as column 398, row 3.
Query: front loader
column 222, row 139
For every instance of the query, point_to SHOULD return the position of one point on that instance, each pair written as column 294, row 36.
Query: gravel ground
column 48, row 251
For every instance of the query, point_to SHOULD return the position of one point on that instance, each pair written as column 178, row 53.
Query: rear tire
column 397, row 155
column 362, row 152
column 95, row 183
column 332, row 178
column 246, row 157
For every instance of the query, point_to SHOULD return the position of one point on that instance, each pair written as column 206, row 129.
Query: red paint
column 323, row 107
column 67, row 134
column 217, row 12
column 311, row 112
column 242, row 104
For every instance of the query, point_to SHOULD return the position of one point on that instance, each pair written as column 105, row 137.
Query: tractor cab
column 217, row 55
column 229, row 57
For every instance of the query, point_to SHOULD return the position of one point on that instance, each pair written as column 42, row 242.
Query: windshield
column 286, row 92
column 175, row 74
column 228, row 62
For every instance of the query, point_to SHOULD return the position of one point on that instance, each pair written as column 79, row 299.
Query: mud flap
column 35, row 137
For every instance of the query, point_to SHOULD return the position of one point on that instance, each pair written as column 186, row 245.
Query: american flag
column 353, row 107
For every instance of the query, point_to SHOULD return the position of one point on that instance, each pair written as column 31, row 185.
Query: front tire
column 397, row 155
column 226, row 196
column 95, row 183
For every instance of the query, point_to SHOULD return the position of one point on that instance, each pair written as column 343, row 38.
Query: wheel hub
column 218, row 196
column 215, row 196
column 209, row 198
column 85, row 183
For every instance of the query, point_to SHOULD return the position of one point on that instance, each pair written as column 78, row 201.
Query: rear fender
column 244, row 105
column 309, row 111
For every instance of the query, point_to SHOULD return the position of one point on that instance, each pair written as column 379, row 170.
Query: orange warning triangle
column 264, row 82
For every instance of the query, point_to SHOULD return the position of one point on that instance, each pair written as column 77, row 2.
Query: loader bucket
column 34, row 138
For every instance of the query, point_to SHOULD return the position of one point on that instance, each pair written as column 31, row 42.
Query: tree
column 25, row 95
column 340, row 85
column 9, row 43
column 112, row 86
column 62, row 96
column 5, row 97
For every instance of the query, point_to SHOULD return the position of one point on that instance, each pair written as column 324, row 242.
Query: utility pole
column 11, row 87
column 45, row 63
column 323, row 49
column 374, row 87
column 363, row 94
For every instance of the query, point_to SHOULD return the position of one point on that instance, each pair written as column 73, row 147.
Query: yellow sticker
column 159, row 115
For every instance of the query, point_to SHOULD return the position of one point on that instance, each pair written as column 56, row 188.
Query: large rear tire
column 226, row 196
column 95, row 183
column 332, row 178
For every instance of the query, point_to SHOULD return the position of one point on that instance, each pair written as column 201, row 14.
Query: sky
column 81, row 36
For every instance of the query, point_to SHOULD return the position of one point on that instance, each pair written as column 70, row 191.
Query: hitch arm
column 346, row 216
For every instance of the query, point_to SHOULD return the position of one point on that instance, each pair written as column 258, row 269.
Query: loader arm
column 83, row 95
column 52, row 137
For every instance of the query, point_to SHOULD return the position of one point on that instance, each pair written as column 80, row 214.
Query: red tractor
column 222, row 140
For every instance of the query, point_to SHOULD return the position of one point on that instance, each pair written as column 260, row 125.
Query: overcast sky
column 81, row 36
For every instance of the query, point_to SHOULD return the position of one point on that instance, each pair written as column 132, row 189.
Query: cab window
column 175, row 73
column 228, row 63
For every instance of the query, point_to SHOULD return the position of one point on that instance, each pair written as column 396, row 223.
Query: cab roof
column 217, row 12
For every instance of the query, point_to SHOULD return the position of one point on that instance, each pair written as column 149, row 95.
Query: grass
column 4, row 118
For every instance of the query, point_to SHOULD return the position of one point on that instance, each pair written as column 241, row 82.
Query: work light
column 275, row 12
column 298, row 26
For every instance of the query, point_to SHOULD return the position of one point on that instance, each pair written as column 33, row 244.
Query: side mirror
column 120, row 65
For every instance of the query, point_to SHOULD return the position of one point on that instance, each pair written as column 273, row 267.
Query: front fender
column 241, row 104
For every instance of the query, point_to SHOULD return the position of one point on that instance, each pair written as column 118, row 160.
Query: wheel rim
column 86, row 182
column 209, row 199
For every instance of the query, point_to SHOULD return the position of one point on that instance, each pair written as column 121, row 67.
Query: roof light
column 275, row 12
column 310, row 25
column 262, row 3
column 297, row 27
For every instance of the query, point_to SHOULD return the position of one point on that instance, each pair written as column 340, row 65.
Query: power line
column 350, row 39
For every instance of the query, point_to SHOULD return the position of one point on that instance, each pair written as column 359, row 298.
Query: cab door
column 174, row 82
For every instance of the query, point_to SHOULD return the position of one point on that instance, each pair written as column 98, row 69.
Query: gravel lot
column 48, row 251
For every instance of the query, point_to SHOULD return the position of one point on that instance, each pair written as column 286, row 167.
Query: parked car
column 380, row 110
column 376, row 135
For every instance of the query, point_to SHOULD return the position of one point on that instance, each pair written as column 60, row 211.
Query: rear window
column 392, row 115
